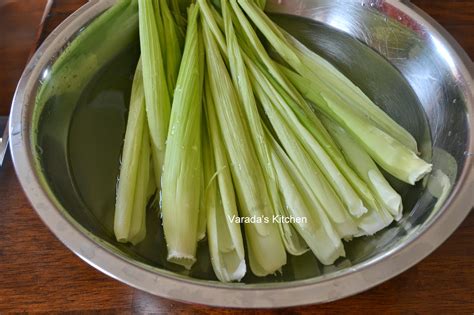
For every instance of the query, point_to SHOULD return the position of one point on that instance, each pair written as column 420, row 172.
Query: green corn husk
column 249, row 39
column 319, row 141
column 359, row 101
column 266, row 251
column 175, row 6
column 390, row 154
column 367, row 170
column 375, row 220
column 317, row 129
column 172, row 51
column 293, row 244
column 160, row 28
column 224, row 234
column 332, row 173
column 293, row 241
column 138, row 225
column 181, row 180
column 209, row 16
column 156, row 89
column 375, row 217
column 270, row 30
column 181, row 6
column 320, row 187
column 179, row 15
column 387, row 151
column 219, row 19
column 131, row 202
column 317, row 231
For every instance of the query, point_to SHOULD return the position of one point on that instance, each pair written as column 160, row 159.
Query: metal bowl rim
column 334, row 286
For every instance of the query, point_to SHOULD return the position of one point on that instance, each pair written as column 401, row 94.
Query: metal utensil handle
column 4, row 143
column 4, row 140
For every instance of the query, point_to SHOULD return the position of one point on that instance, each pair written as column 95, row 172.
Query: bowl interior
column 79, row 141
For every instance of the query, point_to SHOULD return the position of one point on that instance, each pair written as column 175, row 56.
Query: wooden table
column 39, row 274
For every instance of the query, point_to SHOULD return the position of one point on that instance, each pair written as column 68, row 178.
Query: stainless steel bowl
column 399, row 57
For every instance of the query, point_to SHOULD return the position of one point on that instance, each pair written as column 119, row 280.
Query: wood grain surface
column 19, row 28
column 39, row 274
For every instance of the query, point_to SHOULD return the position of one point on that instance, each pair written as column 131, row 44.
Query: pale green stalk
column 224, row 234
column 390, row 154
column 271, row 31
column 359, row 101
column 383, row 148
column 266, row 251
column 218, row 18
column 138, row 225
column 179, row 16
column 374, row 221
column 320, row 187
column 160, row 28
column 298, row 104
column 293, row 244
column 366, row 168
column 249, row 38
column 181, row 180
column 319, row 132
column 181, row 6
column 210, row 17
column 130, row 203
column 293, row 241
column 332, row 173
column 175, row 7
column 216, row 3
column 172, row 48
column 228, row 264
column 156, row 89
column 317, row 230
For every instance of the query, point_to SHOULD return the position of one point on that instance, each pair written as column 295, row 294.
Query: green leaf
column 182, row 173
column 266, row 250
